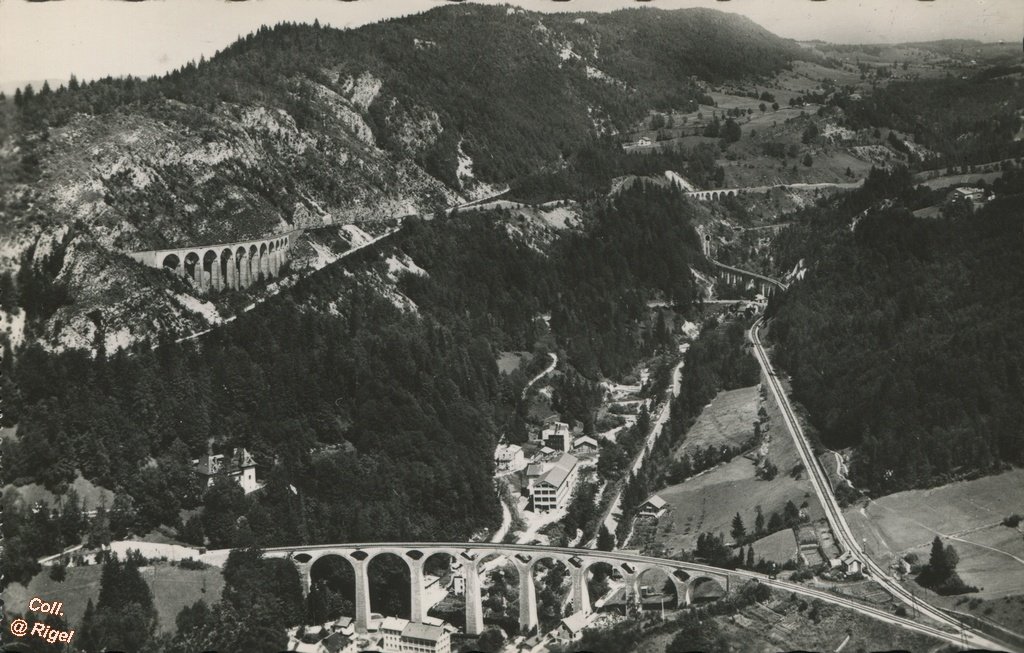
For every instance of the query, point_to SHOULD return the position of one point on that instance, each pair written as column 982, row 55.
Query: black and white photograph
column 520, row 326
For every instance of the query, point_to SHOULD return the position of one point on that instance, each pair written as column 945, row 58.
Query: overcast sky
column 95, row 38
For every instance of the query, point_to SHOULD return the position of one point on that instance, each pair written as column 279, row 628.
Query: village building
column 653, row 507
column 557, row 436
column 240, row 466
column 970, row 194
column 345, row 626
column 550, row 480
column 847, row 562
column 338, row 643
column 391, row 633
column 584, row 445
column 571, row 628
column 425, row 638
column 509, row 458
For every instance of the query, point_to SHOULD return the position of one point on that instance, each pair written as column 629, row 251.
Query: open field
column 173, row 588
column 92, row 496
column 728, row 420
column 708, row 501
column 967, row 514
column 777, row 547
column 510, row 361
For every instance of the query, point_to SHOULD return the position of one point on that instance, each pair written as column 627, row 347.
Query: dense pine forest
column 904, row 338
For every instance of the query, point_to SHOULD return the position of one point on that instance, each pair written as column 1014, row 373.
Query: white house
column 509, row 458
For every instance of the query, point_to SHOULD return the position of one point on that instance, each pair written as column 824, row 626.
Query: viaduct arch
column 224, row 266
column 715, row 195
column 737, row 277
column 685, row 576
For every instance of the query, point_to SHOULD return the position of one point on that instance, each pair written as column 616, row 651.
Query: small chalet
column 653, row 507
column 584, row 444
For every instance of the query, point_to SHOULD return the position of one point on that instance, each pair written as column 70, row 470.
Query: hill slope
column 904, row 340
column 301, row 126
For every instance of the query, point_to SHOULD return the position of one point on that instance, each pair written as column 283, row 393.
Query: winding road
column 547, row 370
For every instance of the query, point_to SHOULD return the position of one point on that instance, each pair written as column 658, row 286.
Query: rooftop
column 215, row 464
column 559, row 469
column 507, row 450
column 335, row 643
column 657, row 502
column 394, row 624
column 414, row 630
column 575, row 622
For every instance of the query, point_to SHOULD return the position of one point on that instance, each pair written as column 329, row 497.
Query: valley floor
column 967, row 514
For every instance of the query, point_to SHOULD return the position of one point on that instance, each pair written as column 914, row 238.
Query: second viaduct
column 224, row 266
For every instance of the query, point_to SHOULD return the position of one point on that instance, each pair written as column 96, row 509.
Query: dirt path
column 547, row 370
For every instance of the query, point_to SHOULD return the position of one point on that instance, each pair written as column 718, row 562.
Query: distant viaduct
column 721, row 193
column 226, row 265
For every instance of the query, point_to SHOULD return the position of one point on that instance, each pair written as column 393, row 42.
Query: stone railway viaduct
column 721, row 193
column 737, row 277
column 685, row 576
column 226, row 265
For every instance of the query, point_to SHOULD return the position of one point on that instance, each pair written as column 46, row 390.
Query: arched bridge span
column 717, row 194
column 685, row 576
column 224, row 266
column 737, row 277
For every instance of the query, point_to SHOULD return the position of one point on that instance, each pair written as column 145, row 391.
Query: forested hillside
column 301, row 126
column 904, row 338
column 369, row 420
column 963, row 121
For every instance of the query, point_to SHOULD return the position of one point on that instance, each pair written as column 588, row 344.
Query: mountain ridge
column 300, row 126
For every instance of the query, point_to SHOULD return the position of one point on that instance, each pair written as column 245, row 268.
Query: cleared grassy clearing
column 728, row 420
column 173, row 588
column 969, row 512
